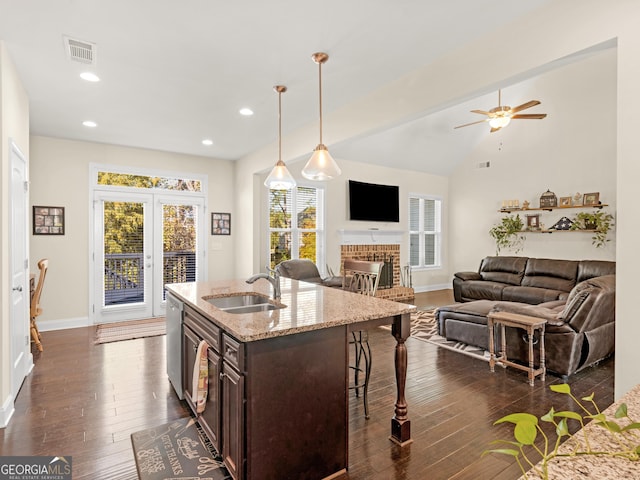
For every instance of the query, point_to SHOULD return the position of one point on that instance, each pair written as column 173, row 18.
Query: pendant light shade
column 280, row 178
column 321, row 166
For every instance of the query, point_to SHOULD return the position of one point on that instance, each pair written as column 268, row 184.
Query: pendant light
column 320, row 166
column 280, row 178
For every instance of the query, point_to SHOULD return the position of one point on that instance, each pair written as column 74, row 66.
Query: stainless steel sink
column 264, row 307
column 238, row 300
column 244, row 303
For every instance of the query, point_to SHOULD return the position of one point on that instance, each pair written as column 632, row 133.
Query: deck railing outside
column 124, row 274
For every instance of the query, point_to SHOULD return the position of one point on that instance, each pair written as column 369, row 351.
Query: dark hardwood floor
column 85, row 400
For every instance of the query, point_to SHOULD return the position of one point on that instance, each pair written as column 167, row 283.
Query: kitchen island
column 278, row 379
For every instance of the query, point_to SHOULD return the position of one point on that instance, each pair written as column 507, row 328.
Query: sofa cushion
column 532, row 295
column 481, row 289
column 552, row 274
column 503, row 269
column 595, row 268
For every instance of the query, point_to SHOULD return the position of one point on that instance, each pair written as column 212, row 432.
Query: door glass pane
column 123, row 253
column 280, row 247
column 178, row 244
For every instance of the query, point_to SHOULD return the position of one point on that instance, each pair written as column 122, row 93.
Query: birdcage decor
column 548, row 199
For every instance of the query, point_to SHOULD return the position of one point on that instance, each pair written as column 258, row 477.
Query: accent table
column 525, row 322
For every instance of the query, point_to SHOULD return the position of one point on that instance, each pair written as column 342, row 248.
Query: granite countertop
column 597, row 466
column 308, row 307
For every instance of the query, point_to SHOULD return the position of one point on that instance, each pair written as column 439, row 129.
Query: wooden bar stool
column 361, row 277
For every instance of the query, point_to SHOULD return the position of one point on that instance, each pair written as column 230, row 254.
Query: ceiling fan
column 501, row 115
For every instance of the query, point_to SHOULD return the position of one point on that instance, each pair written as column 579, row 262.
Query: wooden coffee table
column 525, row 322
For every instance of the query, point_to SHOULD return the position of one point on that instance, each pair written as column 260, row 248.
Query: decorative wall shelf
column 550, row 209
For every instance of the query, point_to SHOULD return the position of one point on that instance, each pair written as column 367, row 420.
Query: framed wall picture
column 220, row 223
column 565, row 201
column 48, row 220
column 591, row 198
column 533, row 222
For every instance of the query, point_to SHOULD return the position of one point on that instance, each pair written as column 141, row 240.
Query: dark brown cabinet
column 196, row 328
column 276, row 407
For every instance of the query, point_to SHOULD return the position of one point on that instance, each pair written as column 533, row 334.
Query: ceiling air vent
column 80, row 51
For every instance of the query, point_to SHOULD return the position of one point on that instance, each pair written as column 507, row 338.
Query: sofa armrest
column 468, row 276
column 550, row 315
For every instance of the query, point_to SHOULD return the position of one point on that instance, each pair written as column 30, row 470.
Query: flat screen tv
column 374, row 203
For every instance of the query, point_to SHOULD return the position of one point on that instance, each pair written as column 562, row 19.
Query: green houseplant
column 507, row 234
column 527, row 427
column 598, row 222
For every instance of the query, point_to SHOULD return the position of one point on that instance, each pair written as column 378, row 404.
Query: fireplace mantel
column 369, row 237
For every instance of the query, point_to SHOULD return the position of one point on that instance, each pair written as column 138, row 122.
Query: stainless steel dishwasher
column 174, row 343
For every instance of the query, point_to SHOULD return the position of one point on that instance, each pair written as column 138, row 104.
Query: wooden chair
column 43, row 265
column 361, row 277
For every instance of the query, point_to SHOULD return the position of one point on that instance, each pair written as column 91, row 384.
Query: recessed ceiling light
column 89, row 77
column 89, row 123
column 208, row 142
column 247, row 112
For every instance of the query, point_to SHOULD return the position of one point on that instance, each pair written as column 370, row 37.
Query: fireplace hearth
column 389, row 284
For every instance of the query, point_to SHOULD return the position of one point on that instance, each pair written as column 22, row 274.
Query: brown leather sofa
column 580, row 312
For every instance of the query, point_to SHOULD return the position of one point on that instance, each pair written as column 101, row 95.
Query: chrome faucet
column 274, row 278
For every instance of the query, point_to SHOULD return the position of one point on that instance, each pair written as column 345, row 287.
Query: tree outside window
column 302, row 238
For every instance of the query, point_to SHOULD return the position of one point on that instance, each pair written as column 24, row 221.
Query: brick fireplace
column 389, row 286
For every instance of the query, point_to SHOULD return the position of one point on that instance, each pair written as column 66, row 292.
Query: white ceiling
column 173, row 73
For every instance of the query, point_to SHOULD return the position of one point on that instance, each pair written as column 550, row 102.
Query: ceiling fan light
column 321, row 166
column 280, row 178
column 500, row 122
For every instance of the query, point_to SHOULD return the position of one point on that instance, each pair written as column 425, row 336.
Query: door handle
column 18, row 288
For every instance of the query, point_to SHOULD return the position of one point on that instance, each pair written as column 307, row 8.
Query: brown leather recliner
column 579, row 332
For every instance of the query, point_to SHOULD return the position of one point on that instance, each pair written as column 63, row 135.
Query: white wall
column 60, row 177
column 572, row 150
column 14, row 124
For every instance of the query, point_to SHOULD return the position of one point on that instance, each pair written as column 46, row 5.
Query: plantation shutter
column 414, row 228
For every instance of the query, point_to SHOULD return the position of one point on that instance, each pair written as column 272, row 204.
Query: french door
column 142, row 241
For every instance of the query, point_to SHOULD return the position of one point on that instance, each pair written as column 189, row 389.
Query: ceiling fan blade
column 529, row 104
column 472, row 123
column 481, row 112
column 529, row 116
column 494, row 129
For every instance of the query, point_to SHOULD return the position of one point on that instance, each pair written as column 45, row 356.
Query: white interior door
column 21, row 358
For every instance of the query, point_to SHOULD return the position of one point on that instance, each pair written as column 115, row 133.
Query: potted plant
column 624, row 441
column 507, row 233
column 598, row 222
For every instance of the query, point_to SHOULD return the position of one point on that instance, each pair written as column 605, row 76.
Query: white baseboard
column 432, row 288
column 6, row 411
column 63, row 324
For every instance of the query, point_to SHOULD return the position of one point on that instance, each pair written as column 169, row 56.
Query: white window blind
column 424, row 231
column 299, row 237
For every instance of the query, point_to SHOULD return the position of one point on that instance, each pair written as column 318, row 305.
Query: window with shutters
column 425, row 235
column 296, row 225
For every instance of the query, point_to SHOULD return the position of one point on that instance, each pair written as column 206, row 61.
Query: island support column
column 400, row 423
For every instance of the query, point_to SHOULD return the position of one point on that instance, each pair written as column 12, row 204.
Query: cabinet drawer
column 203, row 327
column 233, row 352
